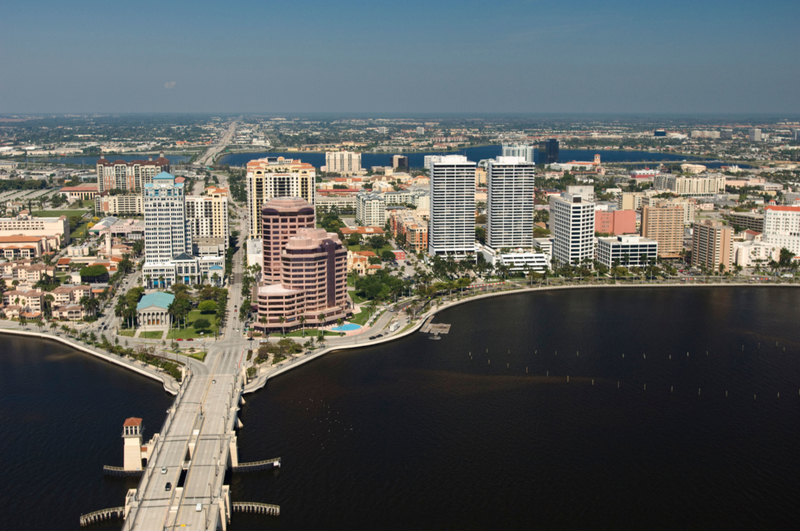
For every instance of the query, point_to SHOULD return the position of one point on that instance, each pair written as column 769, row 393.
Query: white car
column 163, row 470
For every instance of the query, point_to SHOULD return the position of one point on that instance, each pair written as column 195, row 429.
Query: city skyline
column 576, row 57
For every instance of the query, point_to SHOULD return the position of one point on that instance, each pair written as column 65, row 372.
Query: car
column 163, row 470
column 168, row 487
column 372, row 337
column 179, row 339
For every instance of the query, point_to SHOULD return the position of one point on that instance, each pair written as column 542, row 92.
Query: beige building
column 208, row 215
column 687, row 206
column 56, row 229
column 665, row 225
column 115, row 205
column 748, row 220
column 344, row 162
column 274, row 177
column 121, row 175
column 711, row 245
column 707, row 185
column 280, row 220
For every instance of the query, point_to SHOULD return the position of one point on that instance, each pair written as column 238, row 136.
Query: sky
column 432, row 56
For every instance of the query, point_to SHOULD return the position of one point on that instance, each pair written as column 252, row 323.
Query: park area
column 191, row 330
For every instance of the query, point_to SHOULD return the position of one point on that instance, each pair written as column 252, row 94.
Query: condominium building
column 311, row 287
column 710, row 185
column 208, row 215
column 273, row 177
column 754, row 135
column 711, row 245
column 572, row 220
column 628, row 250
column 281, row 218
column 408, row 226
column 630, row 200
column 687, row 206
column 132, row 176
column 167, row 237
column 55, row 230
column 510, row 203
column 782, row 227
column 615, row 222
column 525, row 151
column 664, row 224
column 115, row 205
column 451, row 231
column 370, row 210
column 344, row 162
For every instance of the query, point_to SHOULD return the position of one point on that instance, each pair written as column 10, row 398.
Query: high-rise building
column 711, row 245
column 510, row 202
column 572, row 219
column 526, row 151
column 451, row 231
column 399, row 162
column 615, row 222
column 344, row 162
column 429, row 160
column 273, row 177
column 754, row 134
column 208, row 215
column 420, row 130
column 664, row 224
column 706, row 185
column 548, row 152
column 131, row 176
column 280, row 219
column 726, row 134
column 370, row 210
column 167, row 237
column 311, row 287
column 782, row 227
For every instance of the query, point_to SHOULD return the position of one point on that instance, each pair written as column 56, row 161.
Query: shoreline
column 261, row 381
column 169, row 384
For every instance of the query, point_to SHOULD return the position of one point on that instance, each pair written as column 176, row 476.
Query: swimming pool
column 349, row 327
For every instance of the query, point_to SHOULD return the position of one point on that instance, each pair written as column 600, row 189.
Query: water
column 416, row 160
column 346, row 328
column 416, row 435
column 91, row 161
column 61, row 414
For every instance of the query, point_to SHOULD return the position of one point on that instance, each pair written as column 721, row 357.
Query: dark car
column 168, row 487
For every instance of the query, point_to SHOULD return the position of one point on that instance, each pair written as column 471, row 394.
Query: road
column 211, row 152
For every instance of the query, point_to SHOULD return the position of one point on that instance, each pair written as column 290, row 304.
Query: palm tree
column 282, row 320
column 303, row 324
column 53, row 326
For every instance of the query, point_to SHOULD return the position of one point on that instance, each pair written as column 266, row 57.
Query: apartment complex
column 370, row 210
column 208, row 215
column 281, row 218
column 311, row 287
column 510, row 203
column 273, row 177
column 687, row 205
column 121, row 204
column 344, row 162
column 711, row 245
column 572, row 221
column 408, row 226
column 782, row 227
column 524, row 151
column 709, row 185
column 664, row 224
column 132, row 176
column 628, row 250
column 451, row 231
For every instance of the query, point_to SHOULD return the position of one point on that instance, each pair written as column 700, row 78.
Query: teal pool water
column 349, row 327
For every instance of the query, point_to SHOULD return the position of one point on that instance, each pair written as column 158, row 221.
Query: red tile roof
column 784, row 208
column 133, row 421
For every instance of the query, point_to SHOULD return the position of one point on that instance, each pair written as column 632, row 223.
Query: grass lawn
column 360, row 318
column 57, row 213
column 190, row 332
column 79, row 231
column 356, row 298
column 309, row 332
column 355, row 248
column 150, row 334
column 127, row 333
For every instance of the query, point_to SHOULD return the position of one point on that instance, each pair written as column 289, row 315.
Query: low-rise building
column 119, row 205
column 516, row 259
column 152, row 311
column 55, row 230
column 628, row 250
column 748, row 220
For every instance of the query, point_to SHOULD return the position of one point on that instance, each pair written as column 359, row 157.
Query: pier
column 260, row 508
column 103, row 515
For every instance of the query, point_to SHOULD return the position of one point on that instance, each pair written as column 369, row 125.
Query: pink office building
column 281, row 218
column 312, row 285
column 616, row 222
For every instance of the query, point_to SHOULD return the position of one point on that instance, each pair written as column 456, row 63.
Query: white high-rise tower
column 451, row 231
column 510, row 203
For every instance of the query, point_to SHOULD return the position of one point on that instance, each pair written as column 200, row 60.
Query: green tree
column 207, row 307
column 201, row 324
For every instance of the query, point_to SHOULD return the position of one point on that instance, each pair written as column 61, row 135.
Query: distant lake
column 416, row 160
column 91, row 161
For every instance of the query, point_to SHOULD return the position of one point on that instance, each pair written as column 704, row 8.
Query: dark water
column 416, row 160
column 91, row 161
column 416, row 435
column 61, row 416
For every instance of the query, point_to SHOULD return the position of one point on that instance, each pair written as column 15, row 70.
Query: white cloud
column 170, row 84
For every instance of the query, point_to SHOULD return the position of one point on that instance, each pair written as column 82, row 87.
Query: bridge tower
column 132, row 435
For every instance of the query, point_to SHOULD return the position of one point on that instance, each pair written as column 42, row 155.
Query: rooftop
column 159, row 299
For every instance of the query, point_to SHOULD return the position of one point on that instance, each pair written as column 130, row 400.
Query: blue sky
column 565, row 56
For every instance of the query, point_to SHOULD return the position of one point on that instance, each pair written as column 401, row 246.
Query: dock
column 434, row 328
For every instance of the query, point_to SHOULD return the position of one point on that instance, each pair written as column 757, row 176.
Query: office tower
column 208, row 216
column 131, row 176
column 399, row 162
column 273, row 177
column 344, row 162
column 510, row 202
column 659, row 133
column 572, row 219
column 628, row 250
column 548, row 152
column 526, row 151
column 311, row 282
column 726, row 134
column 754, row 134
column 166, row 232
column 664, row 224
column 711, row 245
column 370, row 210
column 782, row 227
column 420, row 130
column 280, row 219
column 451, row 231
column 429, row 160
